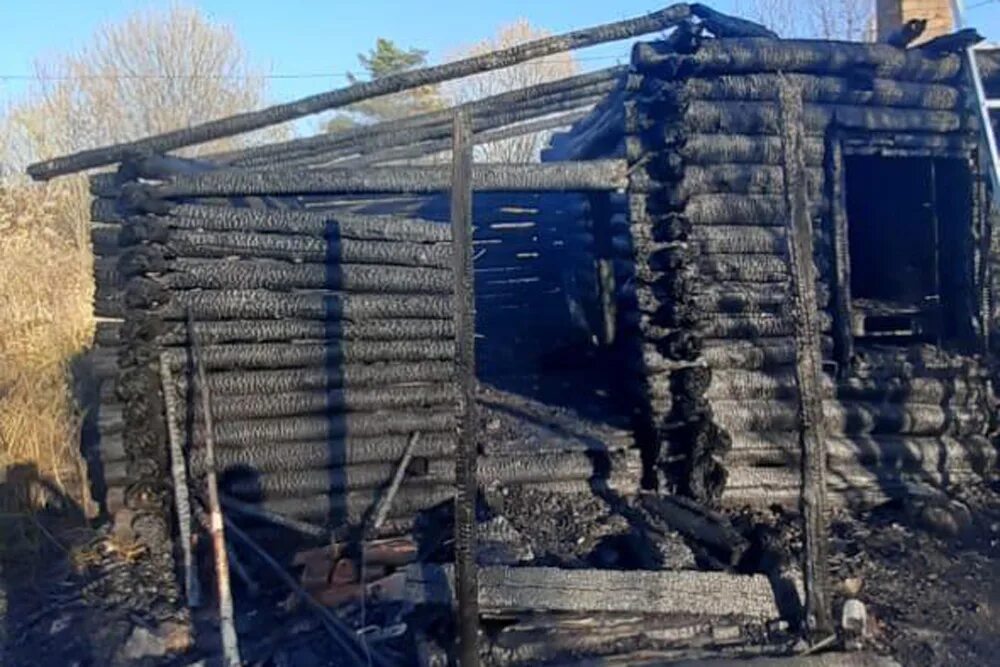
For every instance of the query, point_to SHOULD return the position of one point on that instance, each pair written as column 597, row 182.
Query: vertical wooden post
column 844, row 340
column 227, row 625
column 178, row 471
column 808, row 359
column 600, row 217
column 466, row 579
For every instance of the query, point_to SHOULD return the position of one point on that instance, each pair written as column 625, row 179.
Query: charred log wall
column 326, row 329
column 708, row 219
column 318, row 332
column 536, row 291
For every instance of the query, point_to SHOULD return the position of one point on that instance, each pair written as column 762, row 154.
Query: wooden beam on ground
column 537, row 589
column 697, row 523
column 467, row 585
column 254, row 120
column 808, row 360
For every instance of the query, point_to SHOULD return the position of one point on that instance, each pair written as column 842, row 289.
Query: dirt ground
column 930, row 580
column 930, row 576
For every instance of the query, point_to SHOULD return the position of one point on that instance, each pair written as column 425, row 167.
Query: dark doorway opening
column 909, row 225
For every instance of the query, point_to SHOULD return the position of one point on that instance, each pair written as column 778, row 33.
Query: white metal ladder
column 986, row 106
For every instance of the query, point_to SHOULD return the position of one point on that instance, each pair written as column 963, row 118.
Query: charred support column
column 467, row 584
column 688, row 446
column 808, row 359
column 600, row 217
column 147, row 496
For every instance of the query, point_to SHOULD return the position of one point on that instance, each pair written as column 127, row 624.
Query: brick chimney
column 890, row 14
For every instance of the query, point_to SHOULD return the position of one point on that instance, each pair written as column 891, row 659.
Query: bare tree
column 153, row 72
column 519, row 149
column 843, row 19
column 826, row 19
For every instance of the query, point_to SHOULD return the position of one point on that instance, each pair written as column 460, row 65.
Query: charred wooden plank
column 316, row 355
column 748, row 55
column 697, row 523
column 332, row 306
column 288, row 330
column 554, row 589
column 278, row 276
column 566, row 176
column 243, row 483
column 763, row 87
column 808, row 362
column 266, row 456
column 466, row 572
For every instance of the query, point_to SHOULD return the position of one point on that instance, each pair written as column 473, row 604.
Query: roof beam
column 255, row 120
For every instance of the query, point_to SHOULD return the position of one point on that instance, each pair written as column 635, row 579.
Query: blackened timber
column 246, row 122
column 743, row 56
column 711, row 149
column 243, row 382
column 555, row 589
column 440, row 145
column 518, row 469
column 178, row 473
column 808, row 364
column 730, row 209
column 317, row 355
column 753, row 354
column 763, row 87
column 333, row 225
column 736, row 117
column 843, row 339
column 851, row 483
column 739, row 239
column 249, row 304
column 332, row 401
column 277, row 275
column 763, row 415
column 697, row 523
column 567, row 176
column 466, row 487
column 217, row 528
column 739, row 179
column 199, row 244
column 916, row 454
column 315, row 454
column 358, row 136
column 363, row 424
column 262, row 331
column 726, row 26
column 496, row 118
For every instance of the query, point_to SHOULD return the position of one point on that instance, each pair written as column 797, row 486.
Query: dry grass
column 46, row 291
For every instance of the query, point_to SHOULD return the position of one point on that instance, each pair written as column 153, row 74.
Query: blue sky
column 295, row 37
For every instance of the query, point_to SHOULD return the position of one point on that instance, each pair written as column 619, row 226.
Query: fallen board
column 555, row 589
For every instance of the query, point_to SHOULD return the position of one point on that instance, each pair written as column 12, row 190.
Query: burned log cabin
column 903, row 251
column 644, row 327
